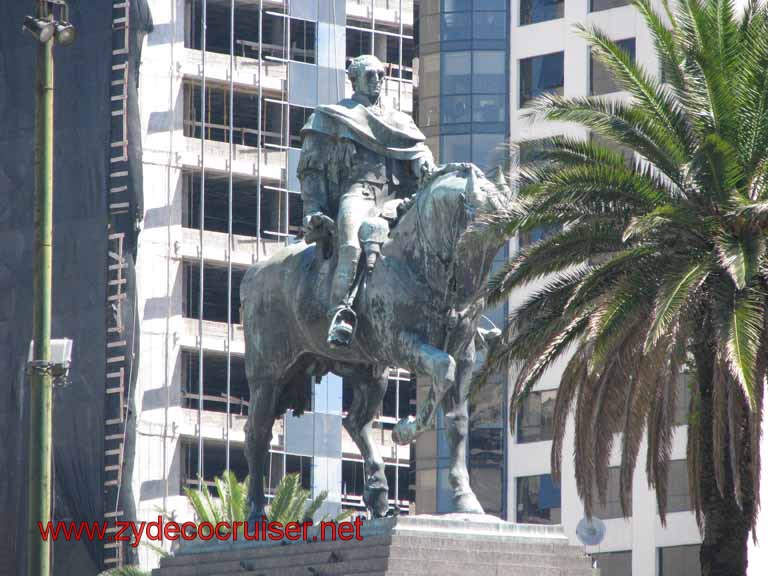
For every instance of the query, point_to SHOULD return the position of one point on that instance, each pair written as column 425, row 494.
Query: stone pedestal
column 450, row 545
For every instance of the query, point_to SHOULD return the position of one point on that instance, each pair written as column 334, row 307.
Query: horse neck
column 430, row 249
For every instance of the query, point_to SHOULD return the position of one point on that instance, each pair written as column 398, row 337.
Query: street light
column 50, row 23
column 65, row 33
column 40, row 29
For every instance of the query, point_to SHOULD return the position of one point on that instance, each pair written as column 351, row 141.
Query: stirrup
column 342, row 327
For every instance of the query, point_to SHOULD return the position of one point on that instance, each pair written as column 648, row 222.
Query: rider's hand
column 317, row 225
column 423, row 166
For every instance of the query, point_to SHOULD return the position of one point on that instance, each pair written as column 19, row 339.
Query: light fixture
column 43, row 30
column 65, row 33
column 58, row 366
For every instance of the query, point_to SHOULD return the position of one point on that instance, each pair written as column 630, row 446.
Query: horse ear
column 472, row 191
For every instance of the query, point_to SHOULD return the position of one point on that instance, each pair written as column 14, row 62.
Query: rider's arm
column 311, row 173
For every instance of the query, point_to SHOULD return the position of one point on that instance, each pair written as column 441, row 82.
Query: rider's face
column 371, row 82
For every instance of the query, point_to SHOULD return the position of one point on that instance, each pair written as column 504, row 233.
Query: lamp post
column 49, row 25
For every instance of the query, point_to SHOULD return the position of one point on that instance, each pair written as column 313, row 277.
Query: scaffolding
column 237, row 107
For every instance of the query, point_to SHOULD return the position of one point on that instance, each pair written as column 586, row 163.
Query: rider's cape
column 390, row 133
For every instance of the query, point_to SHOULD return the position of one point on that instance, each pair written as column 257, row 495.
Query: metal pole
column 259, row 131
column 40, row 396
column 229, row 210
column 200, row 468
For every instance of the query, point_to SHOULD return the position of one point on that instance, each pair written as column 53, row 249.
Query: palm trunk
column 726, row 525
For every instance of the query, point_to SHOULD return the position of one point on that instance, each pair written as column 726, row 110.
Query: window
column 486, row 447
column 303, row 39
column 676, row 560
column 489, row 25
column 358, row 43
column 457, row 5
column 398, row 390
column 214, row 382
column 612, row 507
column 399, row 479
column 489, row 71
column 217, row 32
column 538, row 500
column 601, row 80
column 456, row 109
column 599, row 5
column 215, row 292
column 455, row 148
column 457, row 72
column 535, row 417
column 456, row 26
column 214, row 463
column 678, row 496
column 352, row 478
column 615, row 563
column 485, row 150
column 245, row 203
column 271, row 209
column 301, row 465
column 488, row 484
column 540, row 75
column 245, row 114
column 489, row 107
column 533, row 11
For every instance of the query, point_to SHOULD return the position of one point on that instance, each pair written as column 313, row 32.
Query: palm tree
column 290, row 504
column 657, row 266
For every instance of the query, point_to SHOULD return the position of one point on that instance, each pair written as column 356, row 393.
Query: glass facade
column 538, row 500
column 533, row 11
column 676, row 560
column 535, row 417
column 463, row 98
column 541, row 75
column 614, row 563
column 473, row 82
column 600, row 78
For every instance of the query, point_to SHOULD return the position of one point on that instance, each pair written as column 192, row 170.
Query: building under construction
column 224, row 90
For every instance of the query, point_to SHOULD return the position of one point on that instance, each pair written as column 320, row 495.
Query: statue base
column 449, row 545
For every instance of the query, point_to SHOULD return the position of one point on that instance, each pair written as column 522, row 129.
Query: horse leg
column 369, row 389
column 455, row 408
column 441, row 368
column 261, row 418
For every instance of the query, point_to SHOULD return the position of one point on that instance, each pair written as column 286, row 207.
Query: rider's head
column 366, row 73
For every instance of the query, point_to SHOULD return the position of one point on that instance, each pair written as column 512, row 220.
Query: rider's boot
column 342, row 316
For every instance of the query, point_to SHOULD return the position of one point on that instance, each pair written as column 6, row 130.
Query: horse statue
column 418, row 308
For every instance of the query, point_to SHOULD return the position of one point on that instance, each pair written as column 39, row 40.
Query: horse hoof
column 468, row 504
column 404, row 431
column 377, row 501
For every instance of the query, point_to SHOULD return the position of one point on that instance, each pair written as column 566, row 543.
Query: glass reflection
column 541, row 75
column 538, row 500
column 533, row 11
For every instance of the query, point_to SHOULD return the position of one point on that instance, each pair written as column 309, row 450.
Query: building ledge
column 245, row 159
column 246, row 70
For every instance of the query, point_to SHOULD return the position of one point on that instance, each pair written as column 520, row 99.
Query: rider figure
column 355, row 155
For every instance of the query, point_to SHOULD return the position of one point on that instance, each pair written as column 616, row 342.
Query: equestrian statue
column 386, row 275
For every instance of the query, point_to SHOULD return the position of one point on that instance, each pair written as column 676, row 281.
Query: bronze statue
column 412, row 302
column 355, row 155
